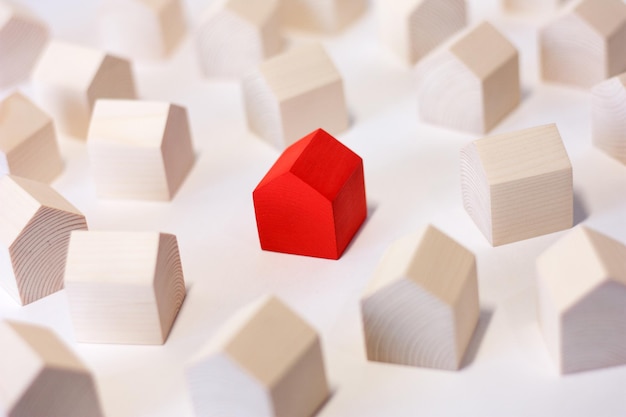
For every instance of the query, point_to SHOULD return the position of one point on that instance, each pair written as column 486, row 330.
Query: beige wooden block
column 124, row 287
column 41, row 377
column 142, row 29
column 582, row 294
column 293, row 94
column 586, row 44
column 472, row 83
column 28, row 143
column 421, row 307
column 265, row 362
column 321, row 15
column 139, row 149
column 68, row 79
column 413, row 28
column 235, row 36
column 518, row 185
column 608, row 117
column 35, row 226
column 533, row 6
column 22, row 38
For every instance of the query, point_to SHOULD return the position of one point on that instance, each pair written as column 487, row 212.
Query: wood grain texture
column 518, row 185
column 608, row 117
column 421, row 306
column 293, row 94
column 585, row 44
column 472, row 83
column 312, row 201
column 28, row 143
column 265, row 361
column 35, row 226
column 68, row 79
column 235, row 36
column 22, row 38
column 582, row 294
column 124, row 287
column 142, row 29
column 139, row 149
column 326, row 16
column 413, row 28
column 41, row 377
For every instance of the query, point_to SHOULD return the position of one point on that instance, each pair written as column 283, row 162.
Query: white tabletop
column 412, row 178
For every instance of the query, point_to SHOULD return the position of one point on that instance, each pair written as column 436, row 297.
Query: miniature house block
column 266, row 362
column 294, row 93
column 582, row 294
column 413, row 28
column 472, row 84
column 28, row 144
column 421, row 306
column 237, row 35
column 533, row 6
column 124, row 287
column 41, row 377
column 142, row 29
column 22, row 38
column 312, row 201
column 68, row 79
column 35, row 226
column 518, row 185
column 586, row 44
column 321, row 15
column 139, row 149
column 608, row 124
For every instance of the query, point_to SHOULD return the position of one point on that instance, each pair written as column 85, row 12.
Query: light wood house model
column 124, row 287
column 470, row 84
column 35, row 227
column 41, row 377
column 582, row 294
column 68, row 79
column 421, row 307
column 28, row 142
column 265, row 361
column 293, row 94
column 518, row 185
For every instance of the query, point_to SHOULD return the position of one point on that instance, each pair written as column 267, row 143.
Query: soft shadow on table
column 484, row 319
column 371, row 208
column 580, row 211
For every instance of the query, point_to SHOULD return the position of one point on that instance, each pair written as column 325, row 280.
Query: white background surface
column 412, row 178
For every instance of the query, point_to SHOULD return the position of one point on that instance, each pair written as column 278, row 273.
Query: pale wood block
column 41, row 377
column 22, row 38
column 35, row 226
column 533, row 6
column 28, row 144
column 68, row 79
column 266, row 361
column 582, row 293
column 142, row 29
column 518, row 185
column 472, row 83
column 321, row 15
column 235, row 36
column 413, row 28
column 608, row 121
column 124, row 287
column 294, row 94
column 421, row 307
column 586, row 44
column 139, row 149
